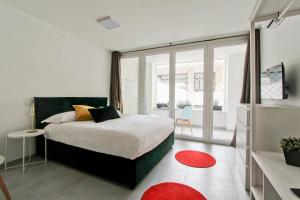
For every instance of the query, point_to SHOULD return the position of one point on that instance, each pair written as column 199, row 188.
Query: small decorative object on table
column 291, row 150
column 32, row 115
column 217, row 106
column 162, row 105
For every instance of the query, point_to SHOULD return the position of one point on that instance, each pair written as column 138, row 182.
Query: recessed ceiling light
column 108, row 23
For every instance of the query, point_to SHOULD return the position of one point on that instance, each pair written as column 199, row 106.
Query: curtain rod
column 185, row 43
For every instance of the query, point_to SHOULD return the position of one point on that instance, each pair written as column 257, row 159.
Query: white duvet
column 128, row 137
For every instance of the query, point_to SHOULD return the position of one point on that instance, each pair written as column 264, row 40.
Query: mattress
column 129, row 136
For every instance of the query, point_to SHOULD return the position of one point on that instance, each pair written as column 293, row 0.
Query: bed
column 126, row 165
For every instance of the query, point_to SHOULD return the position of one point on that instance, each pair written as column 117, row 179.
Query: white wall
column 274, row 123
column 38, row 59
column 282, row 45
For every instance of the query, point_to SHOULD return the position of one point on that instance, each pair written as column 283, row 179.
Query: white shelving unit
column 276, row 177
column 270, row 177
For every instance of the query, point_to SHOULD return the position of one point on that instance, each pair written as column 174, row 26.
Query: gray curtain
column 115, row 94
column 245, row 97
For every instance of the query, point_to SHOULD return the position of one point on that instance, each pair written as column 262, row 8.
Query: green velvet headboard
column 48, row 106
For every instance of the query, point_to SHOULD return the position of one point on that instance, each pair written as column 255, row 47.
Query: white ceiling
column 269, row 7
column 143, row 22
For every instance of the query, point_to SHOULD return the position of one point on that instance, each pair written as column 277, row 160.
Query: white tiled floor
column 56, row 181
column 219, row 134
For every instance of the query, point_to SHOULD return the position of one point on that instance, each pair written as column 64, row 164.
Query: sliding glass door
column 228, row 66
column 130, row 84
column 157, row 84
column 189, row 93
column 198, row 85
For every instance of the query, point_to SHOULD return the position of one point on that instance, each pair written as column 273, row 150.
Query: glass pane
column 189, row 88
column 157, row 85
column 129, row 75
column 227, row 88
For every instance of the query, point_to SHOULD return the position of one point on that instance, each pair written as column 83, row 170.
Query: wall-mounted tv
column 273, row 84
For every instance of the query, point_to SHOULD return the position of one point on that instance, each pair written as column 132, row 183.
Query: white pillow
column 61, row 118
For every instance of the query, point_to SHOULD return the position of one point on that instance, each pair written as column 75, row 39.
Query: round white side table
column 25, row 134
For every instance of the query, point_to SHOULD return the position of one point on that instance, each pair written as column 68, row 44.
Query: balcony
column 223, row 127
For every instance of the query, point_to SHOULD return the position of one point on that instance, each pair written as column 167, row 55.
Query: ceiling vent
column 108, row 23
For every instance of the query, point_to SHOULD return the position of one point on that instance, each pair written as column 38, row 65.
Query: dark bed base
column 122, row 170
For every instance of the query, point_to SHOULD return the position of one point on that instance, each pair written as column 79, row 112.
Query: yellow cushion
column 82, row 112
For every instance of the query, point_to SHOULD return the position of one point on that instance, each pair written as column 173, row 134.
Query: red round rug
column 195, row 159
column 172, row 191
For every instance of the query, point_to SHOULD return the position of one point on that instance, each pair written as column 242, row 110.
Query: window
column 163, row 77
column 198, row 81
column 180, row 77
column 219, row 82
column 182, row 80
column 161, row 99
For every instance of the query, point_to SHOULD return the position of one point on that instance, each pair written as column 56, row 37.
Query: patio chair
column 185, row 118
